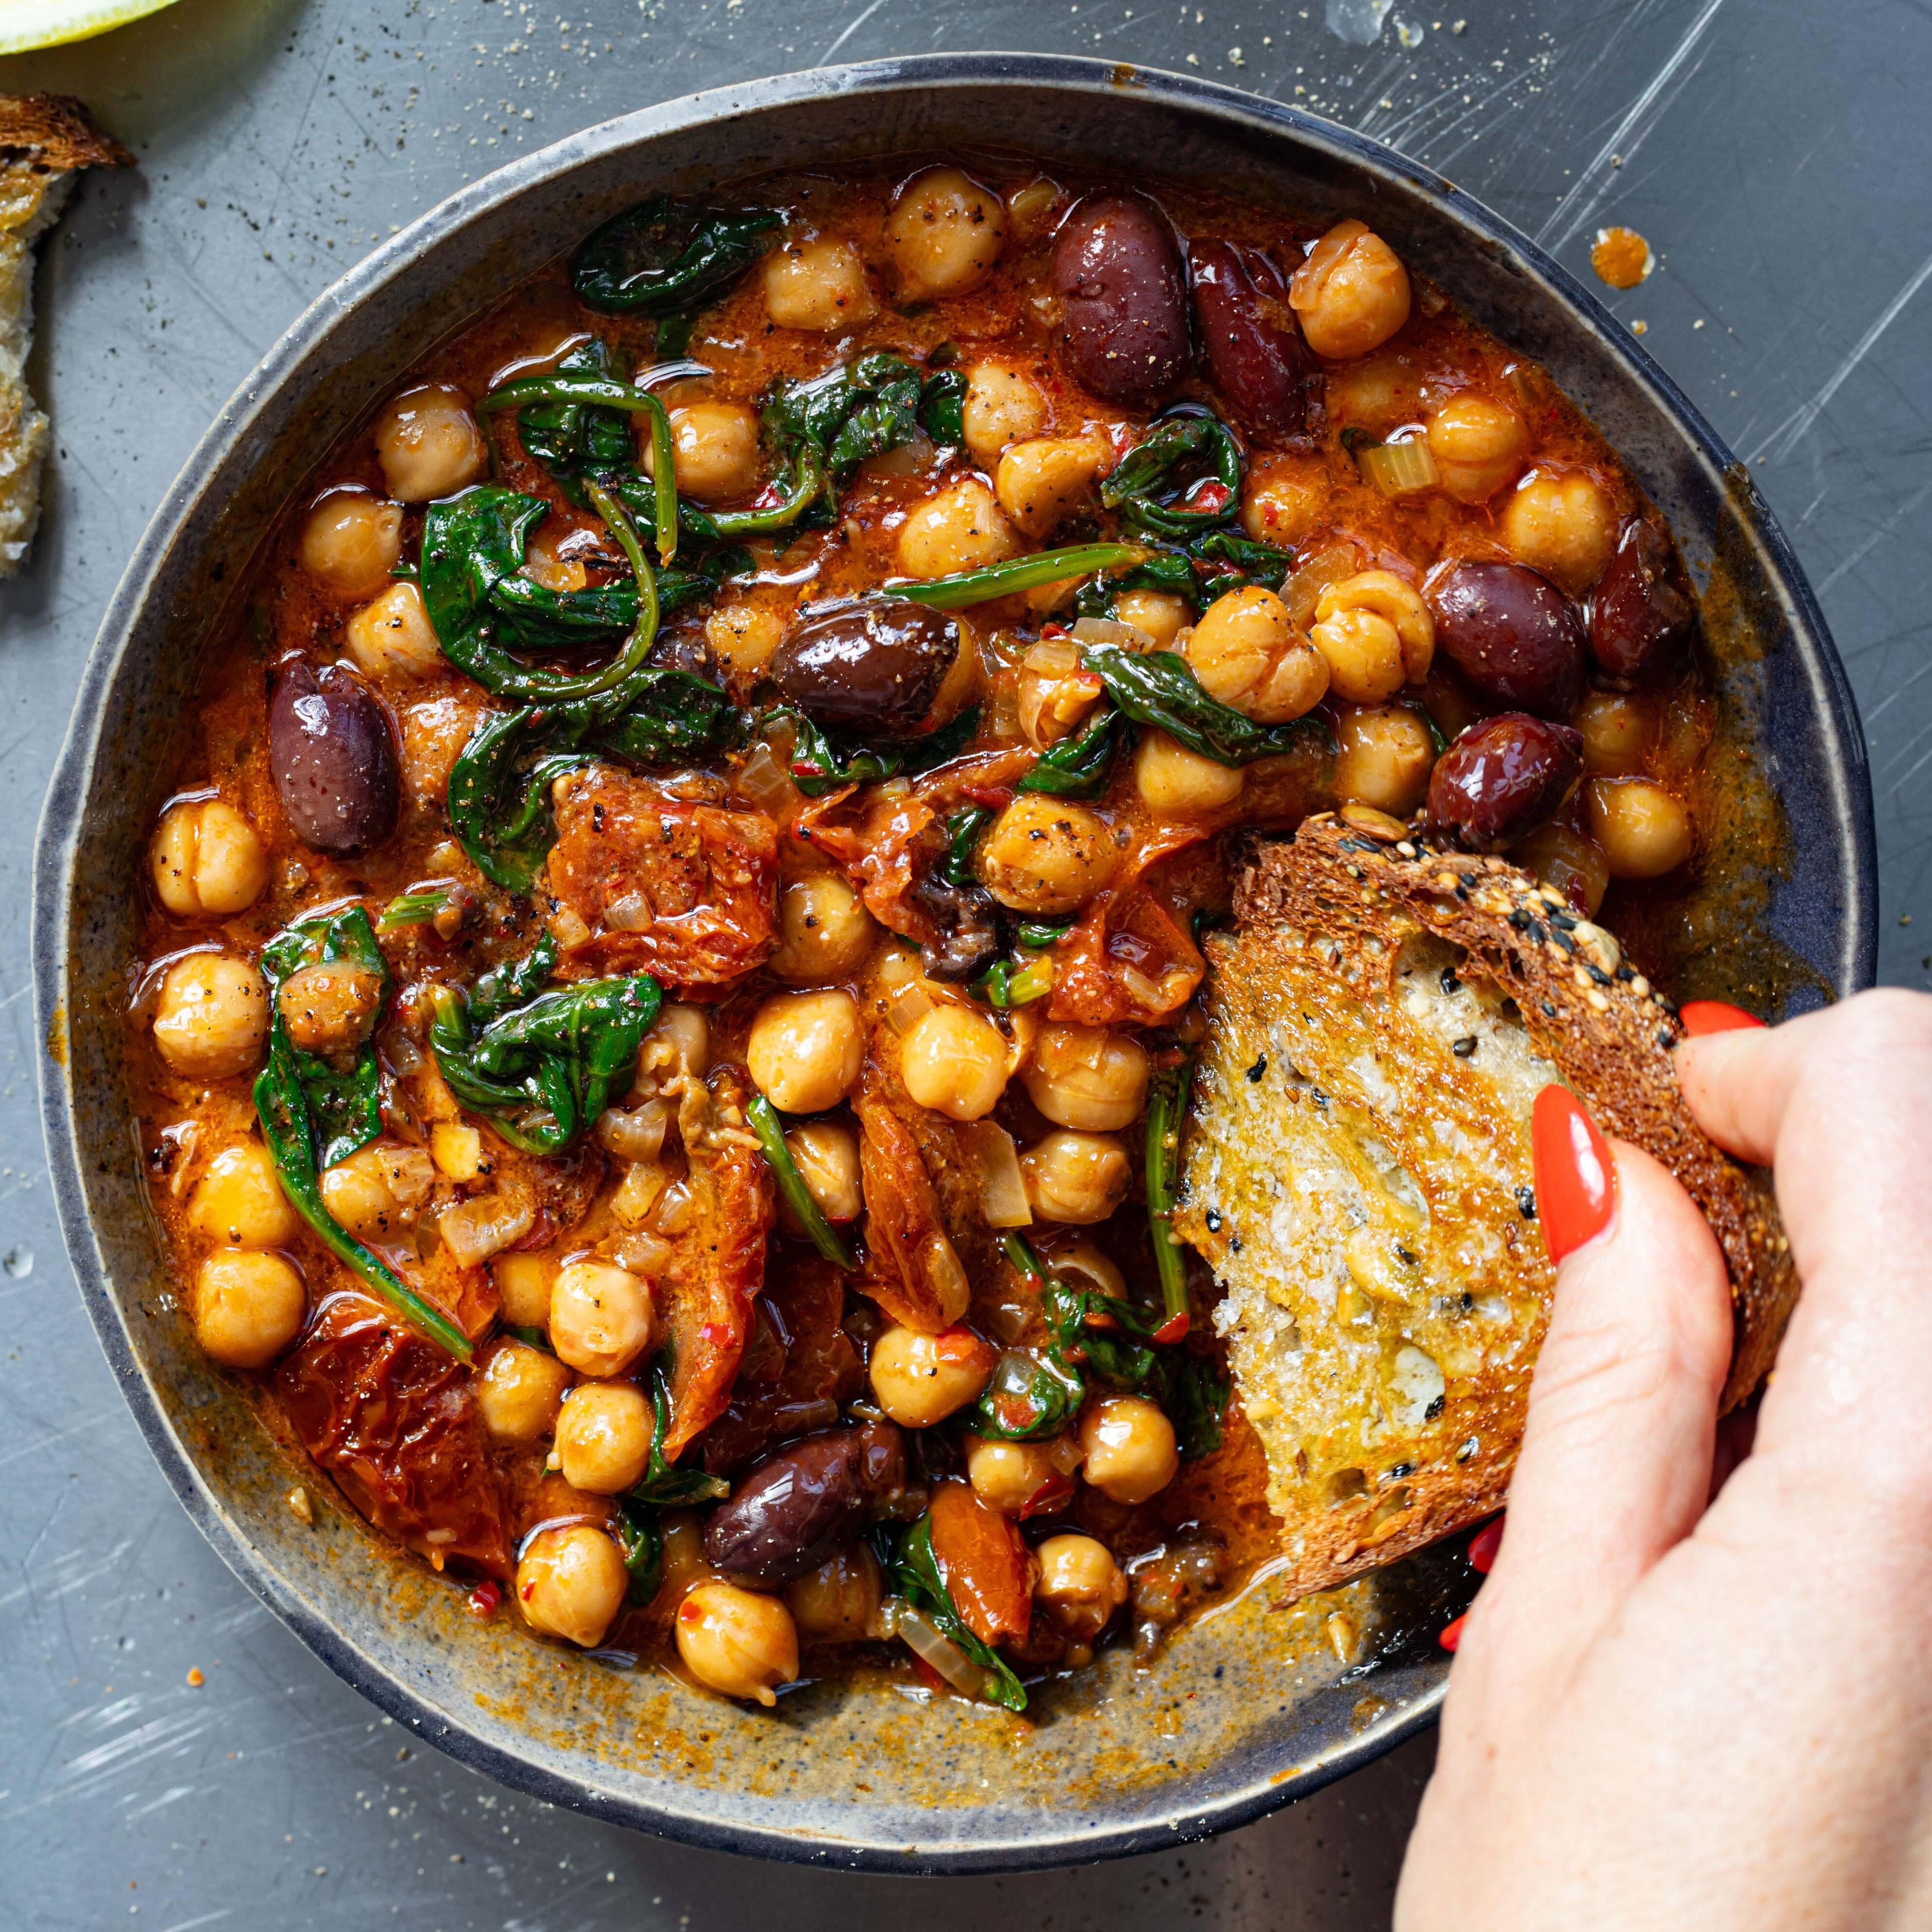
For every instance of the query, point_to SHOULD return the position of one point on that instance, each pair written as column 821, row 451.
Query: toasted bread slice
column 1358, row 1173
column 44, row 138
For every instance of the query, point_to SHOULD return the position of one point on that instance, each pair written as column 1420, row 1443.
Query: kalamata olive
column 1643, row 609
column 334, row 757
column 792, row 1511
column 1252, row 342
column 1126, row 310
column 866, row 664
column 1515, row 638
column 1501, row 779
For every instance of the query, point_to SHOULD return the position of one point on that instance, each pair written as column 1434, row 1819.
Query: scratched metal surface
column 1774, row 157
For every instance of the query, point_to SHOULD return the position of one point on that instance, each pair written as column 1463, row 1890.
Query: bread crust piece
column 1336, row 1086
column 1609, row 1033
column 55, row 131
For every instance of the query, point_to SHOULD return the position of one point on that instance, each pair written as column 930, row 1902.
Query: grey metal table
column 1774, row 156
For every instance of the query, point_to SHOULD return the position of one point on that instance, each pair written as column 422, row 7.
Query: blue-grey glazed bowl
column 1247, row 1710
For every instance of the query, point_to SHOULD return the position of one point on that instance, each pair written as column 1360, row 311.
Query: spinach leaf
column 1077, row 767
column 666, row 256
column 914, row 1573
column 1195, row 1395
column 569, row 437
column 942, row 406
column 642, row 1543
column 1036, row 935
column 543, row 1071
column 967, row 587
column 1198, row 571
column 1166, row 1117
column 1152, row 488
column 344, row 1104
column 1004, row 984
column 1029, row 1397
column 663, row 1484
column 770, row 1131
column 1157, row 688
column 819, row 764
column 514, row 982
column 962, row 834
column 312, row 1115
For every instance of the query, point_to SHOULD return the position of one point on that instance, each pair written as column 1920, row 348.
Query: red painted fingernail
column 1575, row 1179
column 1453, row 1635
column 1484, row 1546
column 1702, row 1016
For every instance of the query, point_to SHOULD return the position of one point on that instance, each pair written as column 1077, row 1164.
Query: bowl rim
column 61, row 817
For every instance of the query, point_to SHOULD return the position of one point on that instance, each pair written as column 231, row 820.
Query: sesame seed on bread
column 1358, row 1172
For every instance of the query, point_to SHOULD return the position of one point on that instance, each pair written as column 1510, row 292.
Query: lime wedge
column 51, row 23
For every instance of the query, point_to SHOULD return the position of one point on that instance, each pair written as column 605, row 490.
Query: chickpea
column 248, row 1306
column 1043, row 481
column 742, row 637
column 1372, row 628
column 571, row 1583
column 1386, row 753
column 839, row 1601
column 206, row 859
column 1478, row 445
column 1644, row 832
column 1616, row 729
column 945, row 232
column 827, row 1155
column 1087, row 1078
column 1560, row 522
column 332, row 1006
column 600, row 1318
column 714, row 450
column 393, row 638
column 805, row 1050
column 824, row 930
column 737, row 1642
column 523, row 1285
column 1046, row 855
column 519, row 1392
column 1002, row 407
column 1280, row 503
column 919, row 1380
column 1007, row 1476
column 961, row 528
column 1247, row 652
column 239, row 1200
column 1352, row 294
column 604, row 1432
column 350, row 542
column 1131, row 1454
column 818, row 285
column 211, row 1016
column 428, row 444
column 1158, row 613
column 1569, row 860
column 954, row 1061
column 1076, row 1177
column 1080, row 1586
column 1176, row 783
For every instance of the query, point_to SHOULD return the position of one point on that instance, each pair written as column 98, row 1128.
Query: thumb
column 1616, row 1458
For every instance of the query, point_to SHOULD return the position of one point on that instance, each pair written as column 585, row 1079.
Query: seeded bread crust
column 55, row 131
column 1607, row 1031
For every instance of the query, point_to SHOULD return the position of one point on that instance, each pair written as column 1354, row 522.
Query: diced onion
column 1052, row 657
column 1400, row 469
column 1107, row 630
column 1303, row 591
column 635, row 1133
column 907, row 1011
column 643, row 1254
column 637, row 1193
column 922, row 1636
column 1141, row 987
column 572, row 934
column 473, row 1231
column 673, row 1210
column 995, row 1162
column 633, row 912
column 763, row 781
column 410, row 1173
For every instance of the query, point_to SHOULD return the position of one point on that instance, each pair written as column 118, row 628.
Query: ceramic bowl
column 1240, row 1714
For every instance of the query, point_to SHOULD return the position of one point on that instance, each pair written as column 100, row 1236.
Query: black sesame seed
column 1464, row 1047
column 1451, row 984
column 1316, row 1094
column 1396, row 1472
column 1434, row 1409
column 1260, row 1067
column 1408, row 1259
column 1233, row 1244
column 1549, row 1011
column 1525, row 1200
column 1214, row 1219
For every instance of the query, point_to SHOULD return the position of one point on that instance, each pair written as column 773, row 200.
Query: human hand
column 1665, row 1713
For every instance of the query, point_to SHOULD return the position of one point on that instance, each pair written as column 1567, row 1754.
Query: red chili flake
column 1054, row 631
column 484, row 1598
column 1484, row 1546
column 1050, row 1495
column 1453, row 1637
column 716, row 1335
column 1211, row 495
column 1174, row 1328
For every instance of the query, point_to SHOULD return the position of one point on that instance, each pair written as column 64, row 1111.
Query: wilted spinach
column 770, row 1131
column 314, row 1115
column 1183, row 477
column 1158, row 688
column 1198, row 571
column 543, row 1070
column 1172, row 1089
column 914, row 1573
column 663, row 1484
column 819, row 764
column 668, row 257
column 1077, row 767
